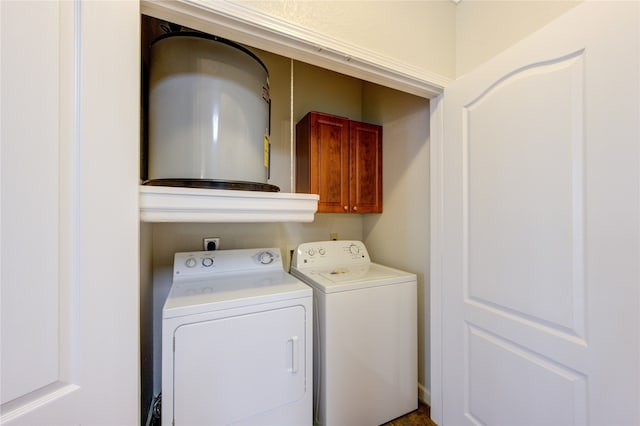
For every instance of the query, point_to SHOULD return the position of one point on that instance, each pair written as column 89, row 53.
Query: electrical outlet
column 333, row 236
column 211, row 243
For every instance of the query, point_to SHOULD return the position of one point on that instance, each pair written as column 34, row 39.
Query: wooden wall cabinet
column 341, row 161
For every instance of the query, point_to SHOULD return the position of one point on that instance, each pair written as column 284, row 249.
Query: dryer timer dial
column 265, row 257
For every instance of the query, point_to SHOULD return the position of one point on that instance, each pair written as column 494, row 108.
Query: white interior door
column 69, row 216
column 536, row 235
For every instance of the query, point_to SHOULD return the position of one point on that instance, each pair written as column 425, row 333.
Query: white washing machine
column 365, row 334
column 236, row 341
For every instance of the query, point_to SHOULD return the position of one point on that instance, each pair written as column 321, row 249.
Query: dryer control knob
column 190, row 262
column 265, row 257
column 207, row 262
column 354, row 249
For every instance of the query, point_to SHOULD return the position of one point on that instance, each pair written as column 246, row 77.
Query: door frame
column 437, row 231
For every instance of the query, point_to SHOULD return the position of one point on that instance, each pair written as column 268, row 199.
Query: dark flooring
column 420, row 417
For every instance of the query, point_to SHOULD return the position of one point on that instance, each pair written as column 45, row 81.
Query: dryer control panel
column 198, row 264
column 330, row 253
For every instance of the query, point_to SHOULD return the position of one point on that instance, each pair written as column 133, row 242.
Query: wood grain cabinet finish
column 341, row 161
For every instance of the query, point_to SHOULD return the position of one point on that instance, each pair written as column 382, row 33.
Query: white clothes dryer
column 365, row 334
column 236, row 341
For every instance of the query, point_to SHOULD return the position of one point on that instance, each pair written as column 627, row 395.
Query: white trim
column 25, row 404
column 69, row 183
column 437, row 232
column 254, row 28
column 173, row 204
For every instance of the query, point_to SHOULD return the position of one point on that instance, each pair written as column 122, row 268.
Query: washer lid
column 352, row 277
column 232, row 290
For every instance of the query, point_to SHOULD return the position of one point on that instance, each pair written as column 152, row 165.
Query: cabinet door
column 322, row 152
column 365, row 194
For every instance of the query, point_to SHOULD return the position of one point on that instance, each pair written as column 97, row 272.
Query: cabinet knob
column 346, row 208
column 355, row 208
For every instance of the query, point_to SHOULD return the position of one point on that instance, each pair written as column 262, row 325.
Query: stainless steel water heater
column 209, row 114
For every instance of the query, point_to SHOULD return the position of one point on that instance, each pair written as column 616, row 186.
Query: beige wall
column 400, row 236
column 419, row 33
column 317, row 89
column 440, row 36
column 485, row 28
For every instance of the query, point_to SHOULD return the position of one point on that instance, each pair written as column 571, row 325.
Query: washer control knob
column 322, row 251
column 265, row 257
column 190, row 262
column 312, row 252
column 207, row 262
column 354, row 249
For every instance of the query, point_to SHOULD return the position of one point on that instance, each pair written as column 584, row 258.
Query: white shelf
column 175, row 204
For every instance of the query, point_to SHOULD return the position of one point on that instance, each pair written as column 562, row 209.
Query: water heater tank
column 209, row 114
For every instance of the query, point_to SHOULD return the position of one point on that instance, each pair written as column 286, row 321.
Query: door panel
column 524, row 194
column 365, row 176
column 322, row 158
column 554, row 394
column 331, row 136
column 30, row 344
column 536, row 201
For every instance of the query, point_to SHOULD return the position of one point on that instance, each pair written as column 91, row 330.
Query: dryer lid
column 228, row 291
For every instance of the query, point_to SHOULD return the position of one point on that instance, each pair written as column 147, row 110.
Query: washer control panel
column 202, row 263
column 321, row 253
